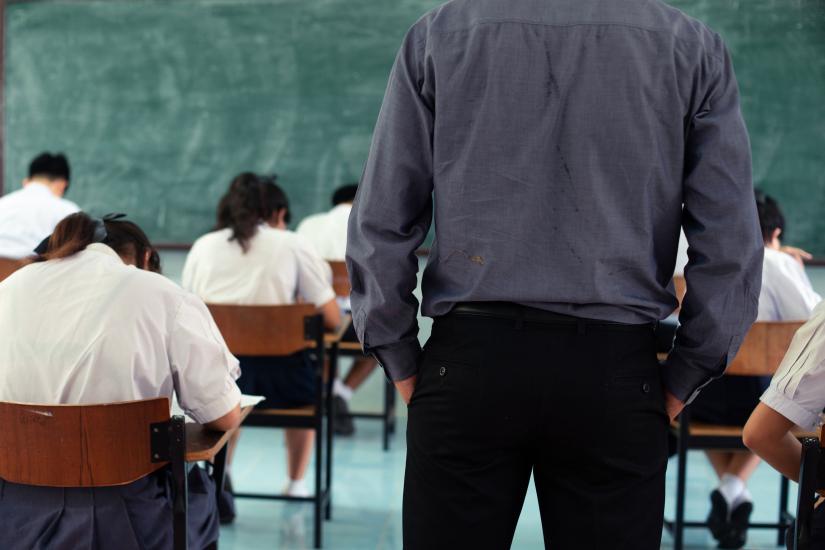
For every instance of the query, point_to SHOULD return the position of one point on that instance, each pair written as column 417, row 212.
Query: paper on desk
column 246, row 401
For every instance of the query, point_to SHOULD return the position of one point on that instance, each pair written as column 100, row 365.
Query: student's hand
column 673, row 405
column 798, row 254
column 406, row 387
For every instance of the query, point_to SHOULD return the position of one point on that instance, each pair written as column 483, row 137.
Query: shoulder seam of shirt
column 491, row 21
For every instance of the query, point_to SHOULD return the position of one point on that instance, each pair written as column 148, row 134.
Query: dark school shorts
column 285, row 382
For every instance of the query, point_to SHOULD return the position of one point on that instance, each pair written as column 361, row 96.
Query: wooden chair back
column 340, row 279
column 79, row 445
column 9, row 266
column 764, row 347
column 264, row 330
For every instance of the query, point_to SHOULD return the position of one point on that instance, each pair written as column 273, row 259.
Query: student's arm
column 229, row 421
column 315, row 284
column 796, row 396
column 768, row 434
column 724, row 269
column 204, row 371
column 332, row 315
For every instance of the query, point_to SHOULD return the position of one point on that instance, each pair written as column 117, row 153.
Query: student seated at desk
column 795, row 397
column 86, row 323
column 251, row 259
column 327, row 232
column 786, row 295
column 29, row 215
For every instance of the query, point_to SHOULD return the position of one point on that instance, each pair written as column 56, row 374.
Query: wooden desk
column 203, row 443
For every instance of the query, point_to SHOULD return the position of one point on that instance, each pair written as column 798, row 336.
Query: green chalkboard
column 159, row 104
column 778, row 50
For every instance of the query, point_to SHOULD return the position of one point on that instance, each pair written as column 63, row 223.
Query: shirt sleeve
column 797, row 390
column 392, row 214
column 725, row 248
column 314, row 275
column 203, row 369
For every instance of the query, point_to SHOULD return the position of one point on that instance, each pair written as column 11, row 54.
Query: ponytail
column 73, row 234
column 77, row 231
column 242, row 209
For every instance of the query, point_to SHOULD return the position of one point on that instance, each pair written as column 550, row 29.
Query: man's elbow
column 229, row 421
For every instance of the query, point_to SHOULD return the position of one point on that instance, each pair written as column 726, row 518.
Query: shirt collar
column 101, row 248
column 37, row 187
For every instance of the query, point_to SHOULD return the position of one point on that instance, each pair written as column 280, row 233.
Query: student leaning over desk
column 29, row 215
column 90, row 325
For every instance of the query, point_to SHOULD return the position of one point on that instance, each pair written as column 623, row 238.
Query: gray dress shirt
column 560, row 145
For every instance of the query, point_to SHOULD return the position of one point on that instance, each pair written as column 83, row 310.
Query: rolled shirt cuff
column 400, row 360
column 785, row 406
column 684, row 380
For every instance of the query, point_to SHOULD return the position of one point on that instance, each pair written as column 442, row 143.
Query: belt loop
column 519, row 318
column 581, row 327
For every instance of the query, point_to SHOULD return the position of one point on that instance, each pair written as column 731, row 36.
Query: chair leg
column 319, row 487
column 783, row 510
column 181, row 481
column 388, row 389
column 681, row 478
column 328, row 462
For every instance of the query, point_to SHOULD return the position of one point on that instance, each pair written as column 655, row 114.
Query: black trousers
column 579, row 405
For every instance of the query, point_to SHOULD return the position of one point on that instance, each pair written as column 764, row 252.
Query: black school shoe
column 226, row 503
column 737, row 533
column 718, row 516
column 343, row 420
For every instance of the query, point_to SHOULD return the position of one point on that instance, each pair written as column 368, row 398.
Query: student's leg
column 743, row 464
column 358, row 373
column 719, row 460
column 362, row 367
column 299, row 451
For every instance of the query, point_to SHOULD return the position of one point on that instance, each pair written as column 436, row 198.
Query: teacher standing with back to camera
column 560, row 145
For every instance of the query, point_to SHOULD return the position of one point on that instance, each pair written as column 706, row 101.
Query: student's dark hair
column 77, row 231
column 242, row 208
column 770, row 215
column 275, row 197
column 50, row 167
column 344, row 194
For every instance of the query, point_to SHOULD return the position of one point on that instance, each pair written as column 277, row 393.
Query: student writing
column 91, row 325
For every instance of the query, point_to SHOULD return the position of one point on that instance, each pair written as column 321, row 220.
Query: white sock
column 744, row 496
column 731, row 487
column 297, row 488
column 341, row 389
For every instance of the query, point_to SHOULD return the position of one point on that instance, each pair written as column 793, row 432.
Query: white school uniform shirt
column 90, row 329
column 327, row 232
column 27, row 216
column 277, row 268
column 787, row 294
column 797, row 390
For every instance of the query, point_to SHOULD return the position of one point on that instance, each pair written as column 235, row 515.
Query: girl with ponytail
column 87, row 322
column 250, row 258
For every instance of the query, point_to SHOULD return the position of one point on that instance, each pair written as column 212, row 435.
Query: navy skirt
column 730, row 400
column 137, row 516
column 285, row 382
